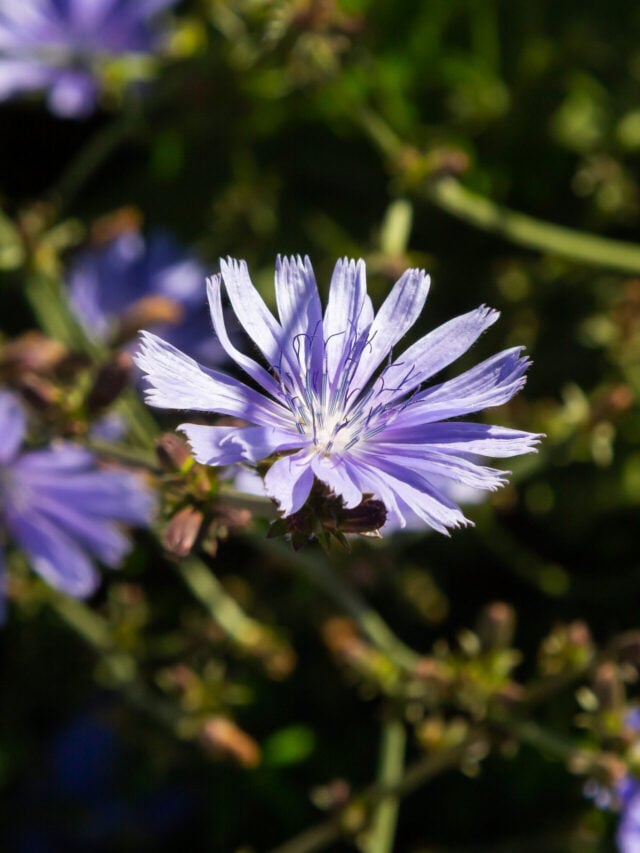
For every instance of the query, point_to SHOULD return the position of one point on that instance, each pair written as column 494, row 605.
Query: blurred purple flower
column 628, row 795
column 106, row 284
column 61, row 510
column 329, row 411
column 56, row 46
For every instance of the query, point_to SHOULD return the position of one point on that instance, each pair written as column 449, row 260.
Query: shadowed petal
column 179, row 382
column 227, row 445
column 436, row 351
column 65, row 459
column 335, row 473
column 427, row 502
column 12, row 426
column 289, row 481
column 427, row 461
column 300, row 311
column 254, row 316
column 348, row 316
column 53, row 554
column 110, row 494
column 466, row 437
column 491, row 383
column 250, row 367
column 396, row 316
column 100, row 538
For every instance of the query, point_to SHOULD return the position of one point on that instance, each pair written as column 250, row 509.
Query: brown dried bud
column 32, row 353
column 579, row 634
column 148, row 312
column 172, row 452
column 111, row 226
column 608, row 687
column 111, row 380
column 182, row 531
column 224, row 739
column 343, row 641
column 496, row 626
column 628, row 647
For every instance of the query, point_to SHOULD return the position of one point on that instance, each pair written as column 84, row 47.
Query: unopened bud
column 32, row 353
column 579, row 634
column 172, row 452
column 608, row 687
column 182, row 531
column 496, row 626
column 148, row 312
column 224, row 739
column 113, row 225
column 111, row 380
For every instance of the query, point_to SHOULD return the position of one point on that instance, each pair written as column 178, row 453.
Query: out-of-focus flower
column 58, row 46
column 61, row 510
column 628, row 795
column 131, row 282
column 87, row 773
column 329, row 412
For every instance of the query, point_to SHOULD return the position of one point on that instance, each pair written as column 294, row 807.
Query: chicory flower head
column 61, row 510
column 113, row 281
column 56, row 46
column 328, row 410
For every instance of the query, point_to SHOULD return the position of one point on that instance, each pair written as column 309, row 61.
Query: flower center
column 331, row 413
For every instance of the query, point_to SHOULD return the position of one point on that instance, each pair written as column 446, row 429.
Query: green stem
column 49, row 304
column 96, row 151
column 372, row 625
column 94, row 630
column 450, row 195
column 225, row 612
column 385, row 814
column 329, row 831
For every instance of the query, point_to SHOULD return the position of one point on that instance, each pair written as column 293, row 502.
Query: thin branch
column 385, row 813
column 450, row 195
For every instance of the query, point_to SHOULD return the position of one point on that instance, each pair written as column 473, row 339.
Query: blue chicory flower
column 107, row 282
column 327, row 411
column 57, row 45
column 61, row 510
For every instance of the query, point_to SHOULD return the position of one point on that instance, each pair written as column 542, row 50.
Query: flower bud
column 224, row 739
column 608, row 687
column 111, row 380
column 496, row 626
column 172, row 452
column 182, row 531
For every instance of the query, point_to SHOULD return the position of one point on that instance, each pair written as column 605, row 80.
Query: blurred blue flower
column 61, row 510
column 628, row 795
column 330, row 412
column 131, row 279
column 57, row 45
column 82, row 799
